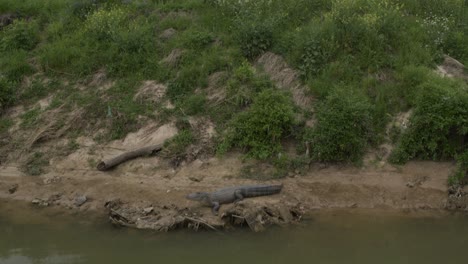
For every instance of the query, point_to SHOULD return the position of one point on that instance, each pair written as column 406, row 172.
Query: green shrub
column 82, row 8
column 255, row 38
column 260, row 129
column 343, row 129
column 409, row 79
column 14, row 65
column 313, row 58
column 197, row 39
column 460, row 175
column 456, row 46
column 21, row 34
column 7, row 93
column 244, row 84
column 195, row 104
column 177, row 145
column 35, row 164
column 439, row 125
column 179, row 89
column 105, row 24
column 71, row 54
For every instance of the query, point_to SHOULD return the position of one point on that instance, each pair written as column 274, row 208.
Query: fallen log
column 110, row 163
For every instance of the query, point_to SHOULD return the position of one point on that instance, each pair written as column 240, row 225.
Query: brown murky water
column 30, row 236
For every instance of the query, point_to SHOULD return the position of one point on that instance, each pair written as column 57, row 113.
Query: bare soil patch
column 285, row 77
column 450, row 67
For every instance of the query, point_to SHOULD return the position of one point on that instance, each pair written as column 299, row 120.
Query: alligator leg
column 215, row 208
column 238, row 195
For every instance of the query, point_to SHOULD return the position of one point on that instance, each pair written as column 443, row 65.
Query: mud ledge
column 135, row 196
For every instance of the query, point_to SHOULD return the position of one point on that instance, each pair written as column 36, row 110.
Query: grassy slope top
column 365, row 61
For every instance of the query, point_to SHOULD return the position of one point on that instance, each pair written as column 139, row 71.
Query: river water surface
column 29, row 236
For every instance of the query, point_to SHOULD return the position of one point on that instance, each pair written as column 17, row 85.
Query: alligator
column 232, row 195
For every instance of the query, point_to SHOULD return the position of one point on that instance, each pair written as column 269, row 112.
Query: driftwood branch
column 110, row 163
column 200, row 221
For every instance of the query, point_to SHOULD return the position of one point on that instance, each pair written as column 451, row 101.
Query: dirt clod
column 13, row 188
column 80, row 200
column 51, row 180
column 40, row 202
column 148, row 210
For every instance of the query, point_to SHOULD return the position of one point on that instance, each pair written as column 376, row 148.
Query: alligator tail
column 261, row 190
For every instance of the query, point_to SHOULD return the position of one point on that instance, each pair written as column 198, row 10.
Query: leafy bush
column 194, row 104
column 343, row 129
column 313, row 58
column 455, row 46
column 255, row 38
column 197, row 39
column 72, row 54
column 243, row 85
column 14, row 65
column 105, row 24
column 439, row 125
column 260, row 128
column 437, row 28
column 7, row 93
column 82, row 8
column 460, row 176
column 21, row 34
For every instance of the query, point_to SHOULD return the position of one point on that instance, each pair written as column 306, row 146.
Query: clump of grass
column 5, row 124
column 177, row 145
column 14, row 65
column 459, row 177
column 438, row 126
column 7, row 93
column 344, row 127
column 21, row 34
column 35, row 164
column 30, row 118
column 260, row 129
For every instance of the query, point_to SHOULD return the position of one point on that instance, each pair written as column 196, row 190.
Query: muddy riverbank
column 142, row 196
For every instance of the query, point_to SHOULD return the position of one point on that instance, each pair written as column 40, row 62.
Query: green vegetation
column 459, row 178
column 344, row 127
column 35, row 164
column 439, row 125
column 365, row 61
column 5, row 124
column 176, row 146
column 260, row 128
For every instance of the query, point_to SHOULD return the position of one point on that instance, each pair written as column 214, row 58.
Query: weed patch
column 35, row 164
column 259, row 129
column 439, row 125
column 177, row 145
column 30, row 118
column 344, row 127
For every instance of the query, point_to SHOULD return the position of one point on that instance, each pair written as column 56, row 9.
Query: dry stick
column 198, row 221
column 107, row 164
